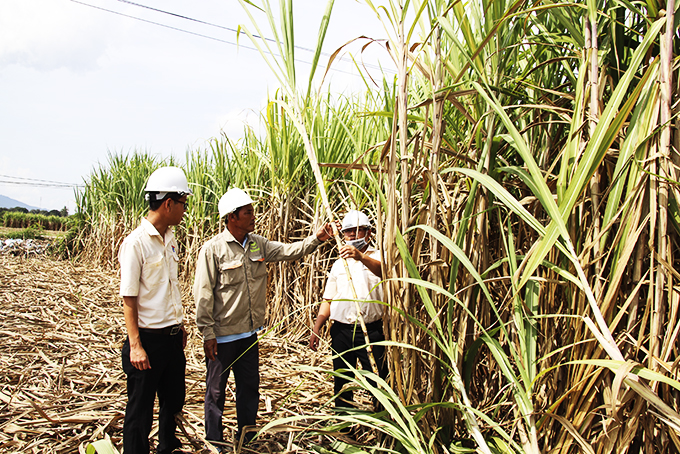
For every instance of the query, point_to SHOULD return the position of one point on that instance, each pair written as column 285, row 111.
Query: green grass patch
column 12, row 233
column 30, row 233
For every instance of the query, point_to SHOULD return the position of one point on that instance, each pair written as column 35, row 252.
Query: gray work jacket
column 230, row 286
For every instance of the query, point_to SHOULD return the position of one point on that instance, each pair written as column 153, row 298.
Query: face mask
column 359, row 243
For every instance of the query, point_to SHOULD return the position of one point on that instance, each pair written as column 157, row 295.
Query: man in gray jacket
column 230, row 289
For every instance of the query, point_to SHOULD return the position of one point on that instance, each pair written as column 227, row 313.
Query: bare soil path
column 61, row 383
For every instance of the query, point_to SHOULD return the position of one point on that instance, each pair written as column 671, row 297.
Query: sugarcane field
column 477, row 252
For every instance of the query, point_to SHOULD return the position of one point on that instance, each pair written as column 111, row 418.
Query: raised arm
column 350, row 252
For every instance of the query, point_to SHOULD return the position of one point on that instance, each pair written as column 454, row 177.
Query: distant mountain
column 7, row 202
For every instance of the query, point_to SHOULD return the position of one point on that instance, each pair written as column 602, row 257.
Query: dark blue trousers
column 344, row 337
column 243, row 357
column 165, row 379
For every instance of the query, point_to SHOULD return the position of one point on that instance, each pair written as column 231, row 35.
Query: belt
column 369, row 326
column 167, row 331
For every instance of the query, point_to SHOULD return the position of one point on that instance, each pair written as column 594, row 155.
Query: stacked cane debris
column 28, row 247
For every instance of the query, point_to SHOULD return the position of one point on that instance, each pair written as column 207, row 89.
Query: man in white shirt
column 153, row 353
column 364, row 263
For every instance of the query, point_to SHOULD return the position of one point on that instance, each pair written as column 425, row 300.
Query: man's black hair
column 235, row 213
column 156, row 204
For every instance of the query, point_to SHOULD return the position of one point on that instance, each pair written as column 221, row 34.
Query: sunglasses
column 184, row 204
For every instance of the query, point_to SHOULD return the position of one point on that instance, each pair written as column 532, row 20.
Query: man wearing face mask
column 364, row 263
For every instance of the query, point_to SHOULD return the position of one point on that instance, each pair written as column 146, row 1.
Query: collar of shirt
column 149, row 227
column 230, row 238
column 151, row 230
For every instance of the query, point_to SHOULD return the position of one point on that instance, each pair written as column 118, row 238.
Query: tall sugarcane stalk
column 594, row 76
column 668, row 169
column 665, row 173
column 285, row 72
column 314, row 163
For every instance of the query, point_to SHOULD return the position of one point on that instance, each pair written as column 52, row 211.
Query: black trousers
column 165, row 379
column 344, row 337
column 243, row 357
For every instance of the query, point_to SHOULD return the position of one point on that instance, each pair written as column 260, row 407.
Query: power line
column 35, row 179
column 38, row 183
column 159, row 24
column 201, row 22
column 178, row 29
column 368, row 65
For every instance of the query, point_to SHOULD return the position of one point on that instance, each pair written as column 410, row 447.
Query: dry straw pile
column 61, row 383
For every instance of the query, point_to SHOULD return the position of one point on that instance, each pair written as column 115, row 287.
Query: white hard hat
column 354, row 219
column 233, row 199
column 167, row 179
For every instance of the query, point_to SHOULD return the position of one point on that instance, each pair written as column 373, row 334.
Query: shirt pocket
column 258, row 267
column 173, row 264
column 231, row 274
column 153, row 271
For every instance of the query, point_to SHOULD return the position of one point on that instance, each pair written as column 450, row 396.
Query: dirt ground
column 62, row 386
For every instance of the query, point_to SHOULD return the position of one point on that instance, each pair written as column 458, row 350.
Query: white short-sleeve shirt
column 366, row 284
column 148, row 270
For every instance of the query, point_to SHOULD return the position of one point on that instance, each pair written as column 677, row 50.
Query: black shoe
column 247, row 438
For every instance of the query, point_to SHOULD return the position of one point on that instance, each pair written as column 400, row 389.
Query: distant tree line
column 59, row 213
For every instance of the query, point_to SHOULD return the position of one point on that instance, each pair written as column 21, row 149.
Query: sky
column 82, row 79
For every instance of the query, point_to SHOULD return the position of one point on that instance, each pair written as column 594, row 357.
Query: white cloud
column 51, row 34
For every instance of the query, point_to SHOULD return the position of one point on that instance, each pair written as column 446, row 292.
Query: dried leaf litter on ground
column 61, row 383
